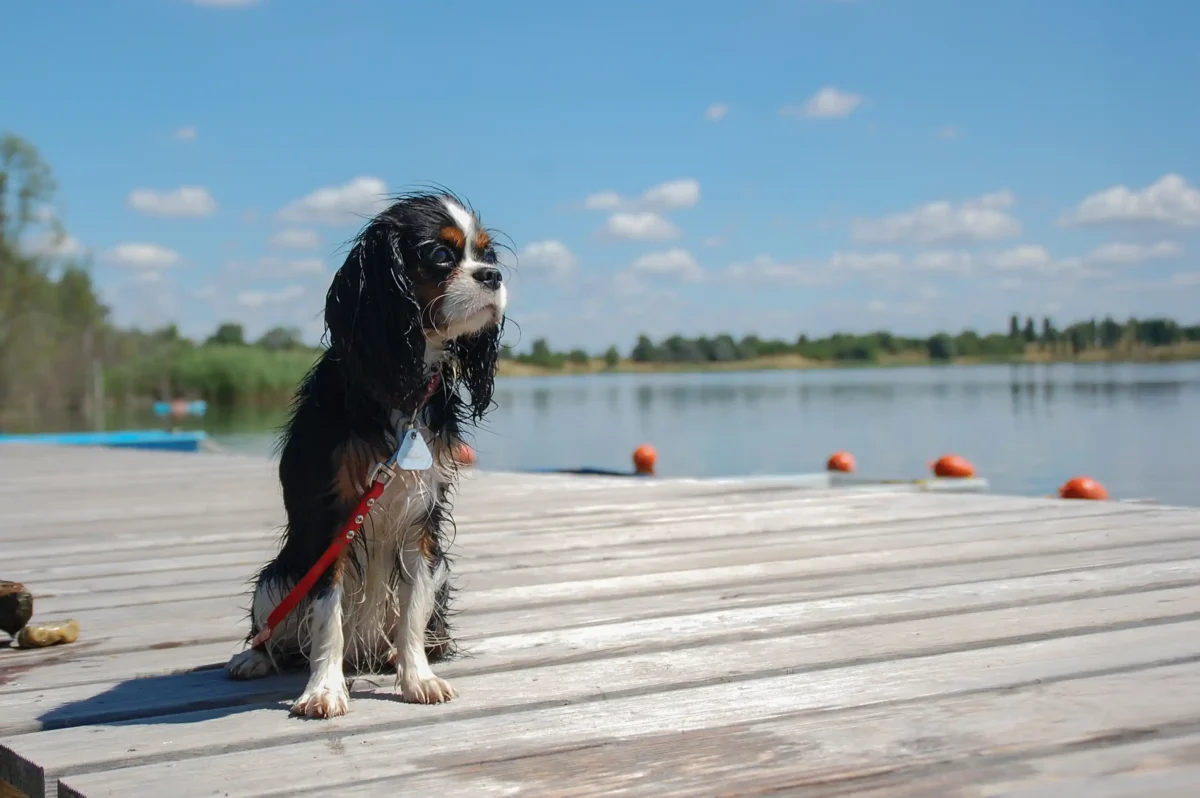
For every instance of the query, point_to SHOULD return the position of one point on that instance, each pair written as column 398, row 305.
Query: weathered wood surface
column 644, row 637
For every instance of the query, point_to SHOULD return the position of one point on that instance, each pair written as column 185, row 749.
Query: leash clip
column 383, row 473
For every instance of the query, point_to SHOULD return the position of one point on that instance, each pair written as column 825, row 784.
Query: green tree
column 612, row 358
column 540, row 353
column 1049, row 333
column 578, row 357
column 940, row 347
column 52, row 326
column 1030, row 331
column 1110, row 333
column 228, row 334
column 280, row 338
column 644, row 351
column 1014, row 326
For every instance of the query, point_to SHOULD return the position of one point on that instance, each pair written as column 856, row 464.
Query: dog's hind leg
column 422, row 577
column 254, row 663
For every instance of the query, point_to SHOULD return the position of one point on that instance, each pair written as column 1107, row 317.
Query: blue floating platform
column 184, row 441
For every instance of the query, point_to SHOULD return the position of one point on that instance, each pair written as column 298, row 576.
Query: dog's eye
column 442, row 256
column 489, row 255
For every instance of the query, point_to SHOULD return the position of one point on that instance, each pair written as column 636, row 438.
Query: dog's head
column 421, row 282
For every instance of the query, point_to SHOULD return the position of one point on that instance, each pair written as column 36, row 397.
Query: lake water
column 1026, row 428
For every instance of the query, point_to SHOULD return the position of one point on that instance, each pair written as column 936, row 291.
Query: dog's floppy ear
column 373, row 318
column 477, row 357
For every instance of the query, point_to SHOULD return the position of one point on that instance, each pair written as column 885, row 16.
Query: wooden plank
column 544, row 586
column 879, row 536
column 534, row 536
column 65, row 666
column 505, row 686
column 109, row 631
column 1139, row 761
column 236, row 589
column 308, row 758
column 998, row 746
column 80, row 520
column 667, row 572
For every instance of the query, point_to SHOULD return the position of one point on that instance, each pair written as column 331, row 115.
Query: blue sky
column 700, row 167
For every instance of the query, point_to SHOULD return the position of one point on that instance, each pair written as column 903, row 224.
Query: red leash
column 382, row 474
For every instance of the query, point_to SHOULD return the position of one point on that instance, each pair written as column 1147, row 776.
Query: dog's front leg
column 418, row 682
column 326, row 695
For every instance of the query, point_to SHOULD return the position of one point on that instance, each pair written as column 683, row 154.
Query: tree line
column 1023, row 335
column 61, row 356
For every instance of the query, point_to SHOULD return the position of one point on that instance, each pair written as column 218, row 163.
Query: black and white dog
column 413, row 316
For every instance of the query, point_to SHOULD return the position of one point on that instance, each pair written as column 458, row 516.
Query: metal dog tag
column 413, row 454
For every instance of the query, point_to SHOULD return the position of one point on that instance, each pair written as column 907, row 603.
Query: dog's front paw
column 426, row 690
column 325, row 699
column 249, row 664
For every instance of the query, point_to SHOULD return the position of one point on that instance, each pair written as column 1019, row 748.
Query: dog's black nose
column 489, row 276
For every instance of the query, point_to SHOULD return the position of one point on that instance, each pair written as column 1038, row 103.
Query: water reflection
column 1027, row 427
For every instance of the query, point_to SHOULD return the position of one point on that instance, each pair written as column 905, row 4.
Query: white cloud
column 185, row 202
column 1186, row 279
column 142, row 256
column 829, row 102
column 982, row 218
column 256, row 299
column 765, row 269
column 549, row 256
column 1118, row 253
column 644, row 226
column 602, row 201
column 186, row 133
column 716, row 112
column 674, row 262
column 949, row 132
column 1036, row 258
column 1025, row 257
column 271, row 266
column 666, row 196
column 337, row 205
column 942, row 260
column 296, row 238
column 1170, row 200
column 865, row 261
column 672, row 194
column 51, row 244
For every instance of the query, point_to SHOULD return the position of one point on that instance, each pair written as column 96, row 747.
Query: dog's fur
column 420, row 292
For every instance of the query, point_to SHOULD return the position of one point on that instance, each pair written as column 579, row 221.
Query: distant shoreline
column 1177, row 353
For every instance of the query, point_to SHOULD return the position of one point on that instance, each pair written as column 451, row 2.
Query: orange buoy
column 1082, row 488
column 840, row 461
column 953, row 467
column 644, row 458
column 464, row 454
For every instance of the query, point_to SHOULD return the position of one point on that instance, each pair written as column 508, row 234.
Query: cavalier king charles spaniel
column 413, row 315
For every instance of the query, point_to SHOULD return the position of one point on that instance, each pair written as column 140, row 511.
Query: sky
column 677, row 166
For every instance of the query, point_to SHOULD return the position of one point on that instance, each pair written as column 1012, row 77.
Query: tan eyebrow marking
column 452, row 235
column 482, row 241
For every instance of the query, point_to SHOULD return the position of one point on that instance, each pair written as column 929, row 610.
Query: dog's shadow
column 195, row 696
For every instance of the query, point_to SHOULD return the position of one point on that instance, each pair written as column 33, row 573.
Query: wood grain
column 665, row 637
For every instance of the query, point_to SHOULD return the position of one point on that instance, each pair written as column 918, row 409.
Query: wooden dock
column 640, row 637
